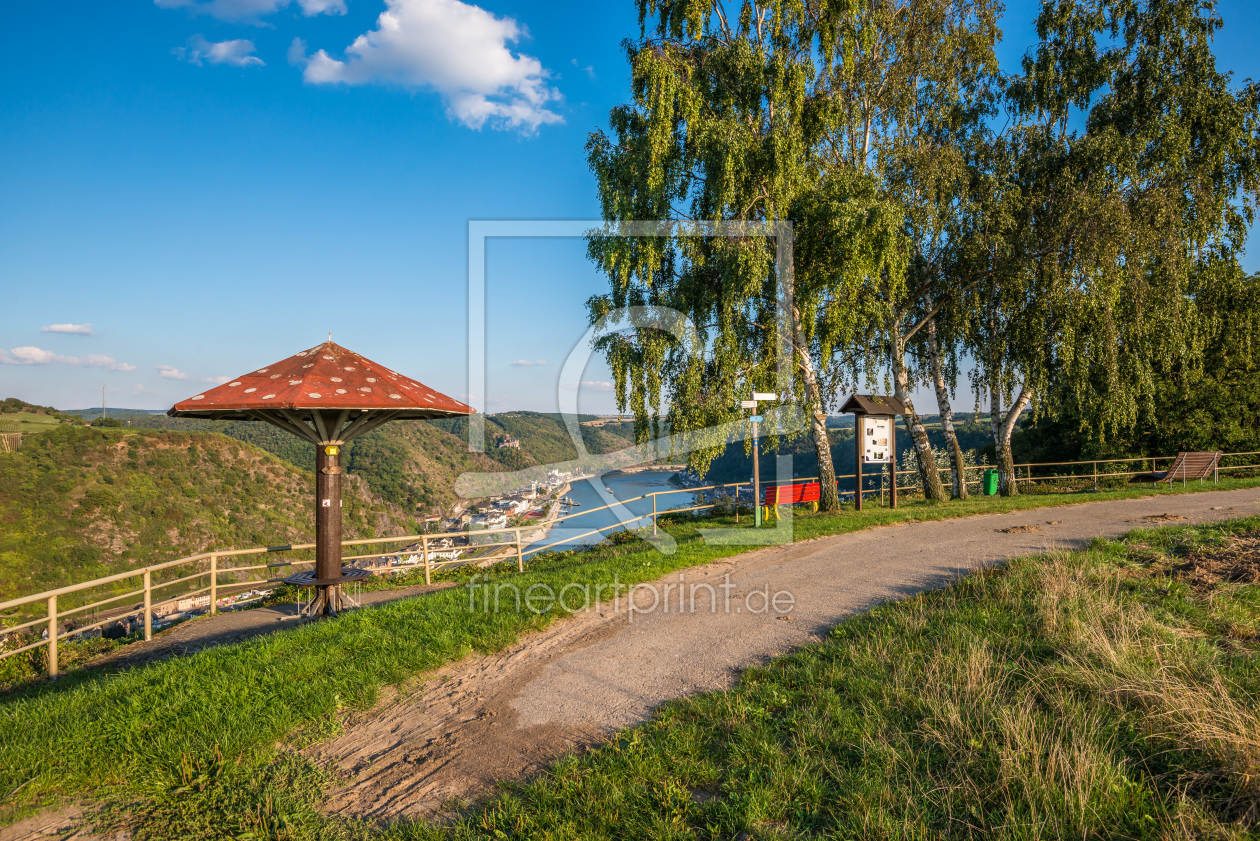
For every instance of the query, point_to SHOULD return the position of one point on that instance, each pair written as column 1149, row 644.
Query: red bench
column 776, row 495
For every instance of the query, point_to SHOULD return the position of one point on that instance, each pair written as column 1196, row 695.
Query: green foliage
column 544, row 438
column 1130, row 167
column 1209, row 403
column 14, row 406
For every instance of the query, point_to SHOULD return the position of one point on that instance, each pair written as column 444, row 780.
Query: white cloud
column 37, row 356
column 235, row 53
column 596, row 385
column 170, row 372
column 76, row 329
column 140, row 388
column 525, row 363
column 587, row 69
column 252, row 10
column 454, row 48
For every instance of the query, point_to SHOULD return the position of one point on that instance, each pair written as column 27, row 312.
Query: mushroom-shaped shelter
column 327, row 395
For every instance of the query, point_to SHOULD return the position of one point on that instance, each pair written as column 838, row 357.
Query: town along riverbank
column 599, row 491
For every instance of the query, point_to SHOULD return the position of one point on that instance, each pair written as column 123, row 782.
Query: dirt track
column 505, row 716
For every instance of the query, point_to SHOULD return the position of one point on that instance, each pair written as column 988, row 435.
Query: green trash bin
column 990, row 483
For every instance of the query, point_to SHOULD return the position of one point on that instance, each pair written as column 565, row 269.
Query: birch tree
column 1130, row 163
column 725, row 121
column 797, row 111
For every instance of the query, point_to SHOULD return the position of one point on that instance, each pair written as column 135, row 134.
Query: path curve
column 452, row 736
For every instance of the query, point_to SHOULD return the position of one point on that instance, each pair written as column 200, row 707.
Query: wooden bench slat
column 1187, row 465
column 792, row 494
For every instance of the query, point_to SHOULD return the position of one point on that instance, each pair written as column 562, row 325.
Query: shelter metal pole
column 214, row 584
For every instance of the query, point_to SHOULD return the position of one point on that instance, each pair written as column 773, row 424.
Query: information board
column 877, row 433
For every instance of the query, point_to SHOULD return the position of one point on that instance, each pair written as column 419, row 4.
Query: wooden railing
column 501, row 549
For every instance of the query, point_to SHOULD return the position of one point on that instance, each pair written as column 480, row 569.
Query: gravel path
column 505, row 716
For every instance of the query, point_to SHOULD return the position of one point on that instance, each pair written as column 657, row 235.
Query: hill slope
column 19, row 416
column 542, row 437
column 414, row 464
column 411, row 464
column 77, row 503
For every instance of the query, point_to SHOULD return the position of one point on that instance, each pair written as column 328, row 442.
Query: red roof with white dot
column 324, row 377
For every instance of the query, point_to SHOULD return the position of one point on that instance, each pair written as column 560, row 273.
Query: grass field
column 1027, row 698
column 27, row 423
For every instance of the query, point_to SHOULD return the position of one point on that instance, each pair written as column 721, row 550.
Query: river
column 590, row 494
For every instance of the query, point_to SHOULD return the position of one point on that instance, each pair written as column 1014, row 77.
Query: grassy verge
column 188, row 747
column 1113, row 692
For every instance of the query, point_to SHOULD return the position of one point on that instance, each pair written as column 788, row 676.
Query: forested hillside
column 414, row 464
column 543, row 437
column 411, row 464
column 77, row 503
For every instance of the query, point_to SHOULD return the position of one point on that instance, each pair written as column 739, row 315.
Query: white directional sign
column 875, row 444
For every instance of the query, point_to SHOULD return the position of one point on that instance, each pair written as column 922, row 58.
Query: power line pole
column 102, row 402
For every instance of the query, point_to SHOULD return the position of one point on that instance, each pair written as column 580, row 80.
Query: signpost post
column 758, row 396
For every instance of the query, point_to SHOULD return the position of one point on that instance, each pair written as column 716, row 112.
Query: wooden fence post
column 52, row 636
column 654, row 515
column 520, row 557
column 737, row 502
column 214, row 584
column 148, row 606
column 428, row 565
column 1095, row 475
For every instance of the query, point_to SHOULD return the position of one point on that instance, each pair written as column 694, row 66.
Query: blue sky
column 213, row 185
